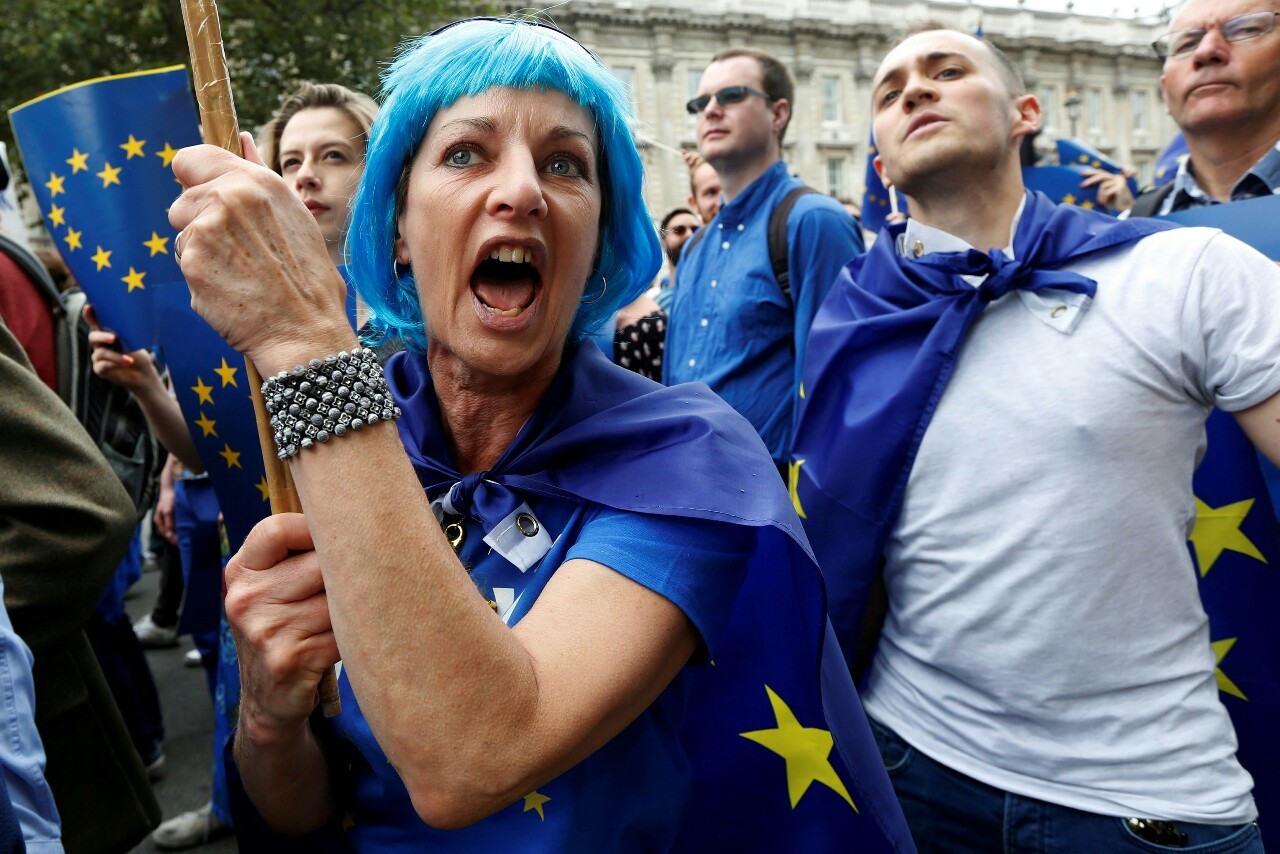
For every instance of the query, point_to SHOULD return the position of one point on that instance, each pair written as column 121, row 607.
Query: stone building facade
column 659, row 49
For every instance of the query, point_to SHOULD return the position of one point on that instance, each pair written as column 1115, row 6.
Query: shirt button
column 724, row 245
column 705, row 321
column 741, row 226
column 720, row 225
column 715, row 283
column 1058, row 311
column 692, row 362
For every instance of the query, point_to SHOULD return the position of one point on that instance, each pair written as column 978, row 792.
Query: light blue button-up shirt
column 731, row 327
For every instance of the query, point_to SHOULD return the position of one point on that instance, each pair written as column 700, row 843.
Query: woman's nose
column 518, row 187
column 306, row 177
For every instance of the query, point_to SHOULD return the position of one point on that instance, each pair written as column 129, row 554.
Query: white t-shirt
column 1045, row 634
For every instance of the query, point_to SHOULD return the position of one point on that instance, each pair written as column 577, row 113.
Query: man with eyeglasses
column 1221, row 85
column 734, row 324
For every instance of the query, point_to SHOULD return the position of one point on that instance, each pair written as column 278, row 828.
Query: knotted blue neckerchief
column 605, row 435
column 881, row 351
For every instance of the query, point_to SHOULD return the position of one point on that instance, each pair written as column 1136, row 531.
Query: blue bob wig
column 434, row 72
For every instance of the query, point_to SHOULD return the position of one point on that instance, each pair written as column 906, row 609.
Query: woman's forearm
column 286, row 778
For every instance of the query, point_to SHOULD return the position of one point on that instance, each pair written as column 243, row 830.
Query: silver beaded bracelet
column 327, row 397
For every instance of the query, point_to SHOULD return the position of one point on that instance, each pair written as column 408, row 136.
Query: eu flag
column 1073, row 152
column 1062, row 185
column 98, row 156
column 875, row 198
column 1167, row 163
column 1236, row 543
column 213, row 392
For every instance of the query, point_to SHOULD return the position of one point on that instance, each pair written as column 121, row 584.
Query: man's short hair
column 675, row 213
column 1008, row 70
column 777, row 80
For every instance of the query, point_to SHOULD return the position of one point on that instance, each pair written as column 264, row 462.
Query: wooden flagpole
column 220, row 128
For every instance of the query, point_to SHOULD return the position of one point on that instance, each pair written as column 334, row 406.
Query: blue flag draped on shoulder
column 98, row 156
column 1236, row 543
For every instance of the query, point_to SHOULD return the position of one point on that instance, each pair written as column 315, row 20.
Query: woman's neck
column 481, row 414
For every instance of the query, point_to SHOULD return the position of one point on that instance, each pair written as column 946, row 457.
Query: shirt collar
column 751, row 200
column 1263, row 178
column 920, row 239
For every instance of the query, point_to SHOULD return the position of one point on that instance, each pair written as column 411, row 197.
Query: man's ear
column 1028, row 115
column 781, row 115
column 878, row 165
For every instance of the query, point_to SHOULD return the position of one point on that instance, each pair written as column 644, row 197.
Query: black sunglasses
column 726, row 96
column 556, row 31
column 680, row 230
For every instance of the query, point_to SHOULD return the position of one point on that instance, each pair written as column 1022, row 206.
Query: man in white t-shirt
column 1011, row 433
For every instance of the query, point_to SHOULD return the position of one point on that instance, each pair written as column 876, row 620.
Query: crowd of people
column 572, row 470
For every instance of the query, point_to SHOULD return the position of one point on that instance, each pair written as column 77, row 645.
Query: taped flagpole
column 220, row 128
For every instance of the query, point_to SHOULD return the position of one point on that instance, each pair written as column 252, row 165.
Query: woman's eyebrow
column 479, row 123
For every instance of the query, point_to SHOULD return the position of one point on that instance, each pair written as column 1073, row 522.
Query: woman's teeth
column 514, row 311
column 513, row 254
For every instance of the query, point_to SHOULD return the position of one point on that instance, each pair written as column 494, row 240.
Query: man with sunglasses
column 734, row 324
column 1221, row 85
column 677, row 227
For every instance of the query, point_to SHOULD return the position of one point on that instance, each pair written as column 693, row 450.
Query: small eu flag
column 876, row 204
column 98, row 156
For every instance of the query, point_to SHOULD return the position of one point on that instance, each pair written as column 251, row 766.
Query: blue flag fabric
column 98, row 156
column 1061, row 184
column 1074, row 153
column 885, row 349
column 213, row 393
column 1167, row 163
column 781, row 754
column 1236, row 543
column 875, row 198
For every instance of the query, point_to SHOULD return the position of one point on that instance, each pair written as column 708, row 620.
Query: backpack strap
column 779, row 251
column 1150, row 202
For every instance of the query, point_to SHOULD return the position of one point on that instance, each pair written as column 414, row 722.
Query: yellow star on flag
column 73, row 239
column 156, row 244
column 205, row 423
column 793, row 482
column 102, row 258
column 1097, row 164
column 166, row 154
column 1087, row 205
column 57, row 215
column 205, row 392
column 263, row 488
column 1217, row 529
column 78, row 161
column 1084, row 158
column 133, row 148
column 534, row 801
column 227, row 373
column 55, row 184
column 232, row 457
column 109, row 175
column 134, row 280
column 348, row 820
column 807, row 751
column 1068, row 199
column 1225, row 685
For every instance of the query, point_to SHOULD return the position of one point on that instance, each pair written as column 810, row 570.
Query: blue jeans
column 949, row 812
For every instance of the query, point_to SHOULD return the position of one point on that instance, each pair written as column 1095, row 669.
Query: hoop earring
column 597, row 297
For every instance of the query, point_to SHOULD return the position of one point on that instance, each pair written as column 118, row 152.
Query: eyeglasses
column 726, row 96
column 551, row 29
column 1241, row 29
column 682, row 230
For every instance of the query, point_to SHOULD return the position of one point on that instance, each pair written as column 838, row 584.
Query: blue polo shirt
column 731, row 327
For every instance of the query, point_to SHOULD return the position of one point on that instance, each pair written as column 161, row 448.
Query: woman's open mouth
column 506, row 283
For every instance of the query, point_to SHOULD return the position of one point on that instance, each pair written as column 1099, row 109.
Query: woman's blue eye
column 461, row 157
column 564, row 166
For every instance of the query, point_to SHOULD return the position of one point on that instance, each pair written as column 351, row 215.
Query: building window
column 1093, row 109
column 835, row 177
column 692, row 79
column 830, row 99
column 1138, row 104
column 1048, row 97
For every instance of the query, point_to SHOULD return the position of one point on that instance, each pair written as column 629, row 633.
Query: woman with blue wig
column 527, row 575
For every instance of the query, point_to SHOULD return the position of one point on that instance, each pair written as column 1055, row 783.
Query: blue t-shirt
column 731, row 327
column 696, row 564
